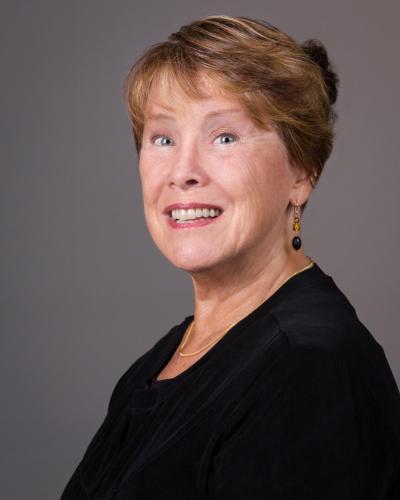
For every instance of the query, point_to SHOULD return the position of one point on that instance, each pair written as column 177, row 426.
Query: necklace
column 214, row 341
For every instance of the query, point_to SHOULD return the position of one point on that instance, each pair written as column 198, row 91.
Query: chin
column 191, row 260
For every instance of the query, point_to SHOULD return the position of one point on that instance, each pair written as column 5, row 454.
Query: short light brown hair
column 276, row 79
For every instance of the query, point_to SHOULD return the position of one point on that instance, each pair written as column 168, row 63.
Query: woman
column 272, row 389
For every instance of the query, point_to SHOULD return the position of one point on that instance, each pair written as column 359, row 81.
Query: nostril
column 191, row 181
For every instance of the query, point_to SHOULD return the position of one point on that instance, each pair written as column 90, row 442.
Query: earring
column 296, row 241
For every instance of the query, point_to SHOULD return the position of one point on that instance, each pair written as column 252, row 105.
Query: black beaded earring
column 296, row 241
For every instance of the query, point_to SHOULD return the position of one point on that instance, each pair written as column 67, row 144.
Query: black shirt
column 296, row 402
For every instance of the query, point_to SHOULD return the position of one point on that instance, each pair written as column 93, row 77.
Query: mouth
column 192, row 214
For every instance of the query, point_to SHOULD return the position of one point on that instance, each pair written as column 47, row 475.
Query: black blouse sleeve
column 313, row 432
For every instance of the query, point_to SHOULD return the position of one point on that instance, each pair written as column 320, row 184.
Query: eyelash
column 233, row 136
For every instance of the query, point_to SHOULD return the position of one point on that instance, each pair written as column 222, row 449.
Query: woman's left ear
column 302, row 186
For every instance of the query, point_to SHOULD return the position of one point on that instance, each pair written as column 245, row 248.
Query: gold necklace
column 190, row 328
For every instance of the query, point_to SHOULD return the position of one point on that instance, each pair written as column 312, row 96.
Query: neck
column 229, row 293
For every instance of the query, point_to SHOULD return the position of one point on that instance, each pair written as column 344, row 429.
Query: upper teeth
column 194, row 213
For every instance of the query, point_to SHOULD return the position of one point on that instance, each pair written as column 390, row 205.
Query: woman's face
column 203, row 155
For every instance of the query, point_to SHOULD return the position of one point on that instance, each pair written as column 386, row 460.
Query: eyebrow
column 211, row 114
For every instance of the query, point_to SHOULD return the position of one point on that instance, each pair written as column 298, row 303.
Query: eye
column 226, row 138
column 162, row 140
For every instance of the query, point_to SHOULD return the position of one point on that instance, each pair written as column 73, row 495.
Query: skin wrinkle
column 239, row 260
column 271, row 412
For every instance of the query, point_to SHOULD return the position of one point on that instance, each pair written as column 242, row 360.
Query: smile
column 181, row 215
column 185, row 216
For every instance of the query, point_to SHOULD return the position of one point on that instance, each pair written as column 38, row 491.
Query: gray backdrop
column 83, row 290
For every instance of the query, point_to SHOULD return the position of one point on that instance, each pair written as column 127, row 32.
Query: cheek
column 150, row 172
column 255, row 177
column 260, row 189
column 268, row 175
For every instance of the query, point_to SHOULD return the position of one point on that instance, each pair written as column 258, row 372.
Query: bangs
column 170, row 68
column 194, row 83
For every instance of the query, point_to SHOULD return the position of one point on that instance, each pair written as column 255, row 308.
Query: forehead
column 167, row 94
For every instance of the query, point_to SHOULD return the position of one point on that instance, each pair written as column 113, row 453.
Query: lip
column 174, row 206
column 193, row 223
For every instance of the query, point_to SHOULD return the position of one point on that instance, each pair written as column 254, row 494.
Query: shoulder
column 311, row 387
column 315, row 313
column 339, row 349
column 326, row 341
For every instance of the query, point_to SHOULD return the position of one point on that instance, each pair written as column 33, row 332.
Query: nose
column 187, row 169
